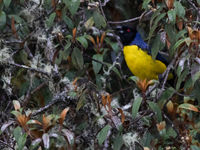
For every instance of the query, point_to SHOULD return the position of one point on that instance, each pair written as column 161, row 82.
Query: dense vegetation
column 64, row 83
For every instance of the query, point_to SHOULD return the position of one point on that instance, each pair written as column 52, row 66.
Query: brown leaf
column 161, row 126
column 170, row 4
column 62, row 115
column 45, row 122
column 59, row 14
column 143, row 84
column 92, row 40
column 102, row 38
column 122, row 115
column 104, row 100
column 170, row 107
column 98, row 41
column 73, row 34
column 14, row 31
column 22, row 119
column 168, row 42
column 179, row 23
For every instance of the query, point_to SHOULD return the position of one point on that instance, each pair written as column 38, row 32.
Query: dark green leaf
column 198, row 1
column 22, row 141
column 2, row 19
column 17, row 18
column 182, row 77
column 170, row 29
column 157, row 110
column 99, row 20
column 180, row 10
column 194, row 147
column 96, row 65
column 6, row 3
column 101, row 136
column 176, row 45
column 157, row 45
column 168, row 93
column 83, row 41
column 161, row 16
column 50, row 20
column 81, row 101
column 20, row 138
column 171, row 133
column 172, row 16
column 145, row 4
column 136, row 105
column 72, row 5
column 67, row 20
column 118, row 142
column 77, row 58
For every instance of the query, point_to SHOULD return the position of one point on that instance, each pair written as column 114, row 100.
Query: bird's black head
column 126, row 34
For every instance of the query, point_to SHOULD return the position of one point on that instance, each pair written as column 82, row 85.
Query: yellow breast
column 141, row 64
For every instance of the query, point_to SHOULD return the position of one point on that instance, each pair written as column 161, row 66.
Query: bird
column 137, row 55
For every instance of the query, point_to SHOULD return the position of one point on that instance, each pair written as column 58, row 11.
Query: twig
column 30, row 93
column 131, row 20
column 29, row 68
column 101, row 8
column 8, row 145
column 58, row 98
column 165, row 75
column 105, row 2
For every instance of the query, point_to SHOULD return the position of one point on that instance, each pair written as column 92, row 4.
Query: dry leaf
column 122, row 115
column 161, row 126
column 63, row 115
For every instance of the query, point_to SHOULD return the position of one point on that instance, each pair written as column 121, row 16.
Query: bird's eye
column 128, row 30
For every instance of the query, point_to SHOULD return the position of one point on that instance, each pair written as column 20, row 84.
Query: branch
column 165, row 76
column 145, row 14
column 29, row 68
column 58, row 98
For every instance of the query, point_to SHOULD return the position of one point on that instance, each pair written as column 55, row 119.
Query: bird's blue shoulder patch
column 140, row 42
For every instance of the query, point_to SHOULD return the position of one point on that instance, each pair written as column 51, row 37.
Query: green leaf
column 168, row 93
column 136, row 105
column 20, row 138
column 172, row 16
column 67, row 20
column 2, row 19
column 176, row 45
column 157, row 45
column 99, row 20
column 22, row 141
column 188, row 107
column 118, row 142
column 198, row 1
column 180, row 10
column 156, row 109
column 77, row 58
column 101, row 136
column 195, row 147
column 171, row 133
column 170, row 29
column 81, row 101
column 181, row 78
column 89, row 23
column 96, row 65
column 50, row 20
column 72, row 5
column 145, row 4
column 83, row 41
column 161, row 16
column 6, row 3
